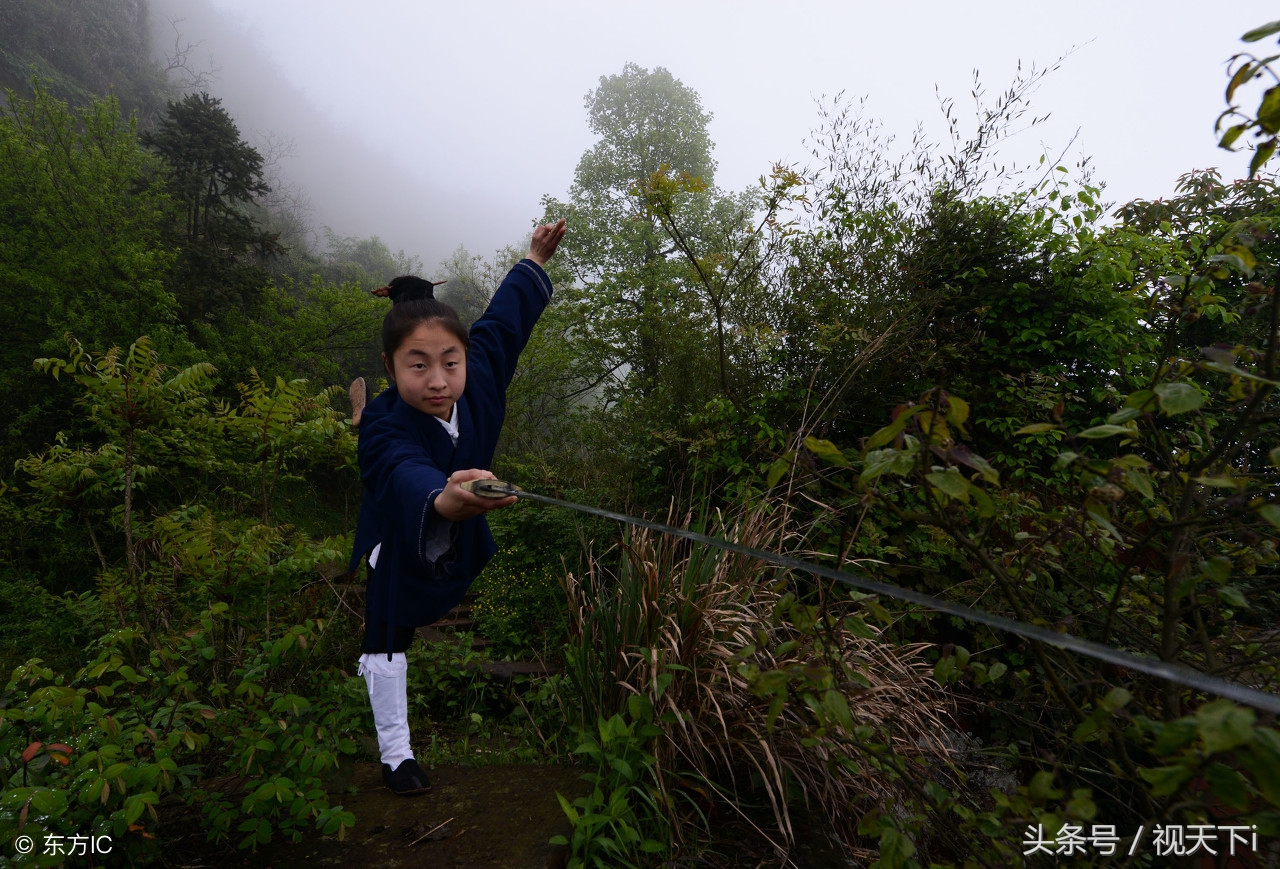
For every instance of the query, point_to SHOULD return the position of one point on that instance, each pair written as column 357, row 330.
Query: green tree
column 647, row 123
column 1112, row 473
column 366, row 262
column 324, row 332
column 213, row 176
column 906, row 273
column 471, row 280
column 659, row 319
column 211, row 172
column 82, row 249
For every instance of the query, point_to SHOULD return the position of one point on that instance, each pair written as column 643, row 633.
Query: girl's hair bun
column 407, row 288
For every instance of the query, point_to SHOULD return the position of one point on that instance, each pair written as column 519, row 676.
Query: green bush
column 520, row 602
column 521, row 609
column 211, row 680
column 97, row 752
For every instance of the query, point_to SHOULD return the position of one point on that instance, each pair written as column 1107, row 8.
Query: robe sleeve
column 413, row 491
column 502, row 332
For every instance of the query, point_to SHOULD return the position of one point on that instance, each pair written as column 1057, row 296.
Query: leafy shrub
column 620, row 823
column 446, row 682
column 96, row 753
column 520, row 603
column 521, row 610
column 1154, row 530
column 211, row 681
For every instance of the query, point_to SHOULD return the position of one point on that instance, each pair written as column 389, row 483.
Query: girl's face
column 430, row 369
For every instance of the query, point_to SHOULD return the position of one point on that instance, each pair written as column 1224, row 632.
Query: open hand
column 546, row 239
column 456, row 503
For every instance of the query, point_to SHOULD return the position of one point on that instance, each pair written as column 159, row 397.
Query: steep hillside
column 80, row 48
column 349, row 180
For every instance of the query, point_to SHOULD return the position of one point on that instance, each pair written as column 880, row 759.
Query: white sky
column 478, row 107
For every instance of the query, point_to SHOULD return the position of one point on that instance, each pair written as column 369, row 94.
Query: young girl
column 426, row 538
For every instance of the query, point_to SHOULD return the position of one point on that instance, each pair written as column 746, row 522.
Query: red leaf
column 58, row 746
column 32, row 750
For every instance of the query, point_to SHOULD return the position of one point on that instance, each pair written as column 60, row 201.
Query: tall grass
column 756, row 692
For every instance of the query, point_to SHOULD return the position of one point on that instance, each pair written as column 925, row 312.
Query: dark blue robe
column 426, row 562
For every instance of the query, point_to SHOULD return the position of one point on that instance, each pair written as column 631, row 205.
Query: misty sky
column 438, row 124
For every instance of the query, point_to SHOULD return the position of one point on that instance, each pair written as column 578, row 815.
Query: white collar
column 450, row 424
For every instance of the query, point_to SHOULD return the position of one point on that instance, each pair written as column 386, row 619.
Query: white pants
column 389, row 697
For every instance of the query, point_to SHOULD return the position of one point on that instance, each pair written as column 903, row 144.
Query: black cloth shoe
column 407, row 779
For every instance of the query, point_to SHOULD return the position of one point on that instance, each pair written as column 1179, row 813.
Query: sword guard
column 490, row 488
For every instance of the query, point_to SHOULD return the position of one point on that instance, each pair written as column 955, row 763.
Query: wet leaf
column 1164, row 780
column 1223, row 354
column 1266, row 767
column 1217, row 569
column 1228, row 785
column 935, row 427
column 778, row 469
column 1140, row 399
column 1261, row 155
column 1223, row 725
column 1262, row 32
column 1178, row 398
column 1141, row 483
column 1242, row 74
column 986, row 509
column 1041, row 787
column 1106, row 431
column 893, row 429
column 1233, row 596
column 964, row 456
column 827, row 451
column 1220, row 482
column 952, row 483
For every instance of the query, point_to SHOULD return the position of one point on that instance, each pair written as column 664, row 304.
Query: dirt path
column 498, row 816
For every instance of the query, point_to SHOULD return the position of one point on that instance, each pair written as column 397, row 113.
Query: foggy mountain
column 342, row 182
